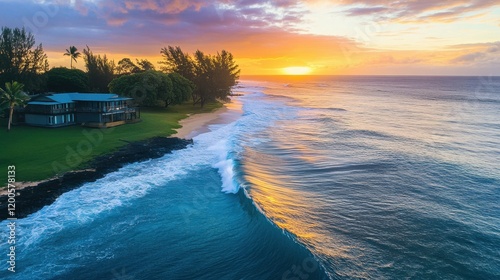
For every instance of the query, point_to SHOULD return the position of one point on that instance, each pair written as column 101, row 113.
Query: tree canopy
column 21, row 60
column 127, row 66
column 100, row 70
column 153, row 88
column 212, row 75
column 62, row 79
column 175, row 60
column 182, row 89
column 145, row 65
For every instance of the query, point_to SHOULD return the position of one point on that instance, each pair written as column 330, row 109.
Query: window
column 50, row 119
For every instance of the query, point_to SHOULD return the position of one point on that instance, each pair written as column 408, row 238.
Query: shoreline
column 196, row 124
column 33, row 196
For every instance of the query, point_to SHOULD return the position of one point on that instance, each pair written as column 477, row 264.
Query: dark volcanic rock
column 34, row 198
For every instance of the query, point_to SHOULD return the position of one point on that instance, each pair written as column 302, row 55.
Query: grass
column 41, row 153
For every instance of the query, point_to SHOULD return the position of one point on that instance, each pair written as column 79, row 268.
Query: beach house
column 89, row 109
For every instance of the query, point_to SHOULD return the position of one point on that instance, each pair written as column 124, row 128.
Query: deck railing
column 49, row 111
column 109, row 109
column 105, row 109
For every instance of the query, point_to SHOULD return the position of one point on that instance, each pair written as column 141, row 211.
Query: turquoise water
column 317, row 178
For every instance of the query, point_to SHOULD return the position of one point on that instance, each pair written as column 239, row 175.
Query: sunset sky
column 460, row 37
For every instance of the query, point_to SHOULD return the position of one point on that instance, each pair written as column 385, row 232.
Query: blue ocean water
column 303, row 178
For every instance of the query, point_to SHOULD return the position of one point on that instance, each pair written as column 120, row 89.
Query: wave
column 225, row 166
column 325, row 108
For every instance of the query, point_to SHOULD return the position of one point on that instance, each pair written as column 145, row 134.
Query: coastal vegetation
column 212, row 75
column 153, row 88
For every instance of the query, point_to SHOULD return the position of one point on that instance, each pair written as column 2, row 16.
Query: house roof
column 97, row 97
column 43, row 103
column 60, row 98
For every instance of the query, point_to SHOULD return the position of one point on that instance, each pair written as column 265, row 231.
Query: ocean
column 321, row 177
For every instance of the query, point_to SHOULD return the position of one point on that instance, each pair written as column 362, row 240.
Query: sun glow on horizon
column 297, row 70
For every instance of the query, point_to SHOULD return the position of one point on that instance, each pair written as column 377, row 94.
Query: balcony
column 109, row 109
column 40, row 110
column 63, row 110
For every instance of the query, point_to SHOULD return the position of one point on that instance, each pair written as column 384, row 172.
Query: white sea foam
column 225, row 166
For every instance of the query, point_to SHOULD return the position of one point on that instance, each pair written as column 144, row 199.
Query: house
column 89, row 109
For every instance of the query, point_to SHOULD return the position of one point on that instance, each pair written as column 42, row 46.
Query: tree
column 62, row 79
column 204, row 73
column 145, row 65
column 127, row 66
column 20, row 60
column 100, row 70
column 212, row 75
column 178, row 62
column 13, row 96
column 226, row 73
column 182, row 89
column 153, row 88
column 73, row 53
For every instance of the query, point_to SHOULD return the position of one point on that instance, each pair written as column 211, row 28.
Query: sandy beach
column 197, row 123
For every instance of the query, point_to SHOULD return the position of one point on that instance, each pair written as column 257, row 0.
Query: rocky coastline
column 33, row 198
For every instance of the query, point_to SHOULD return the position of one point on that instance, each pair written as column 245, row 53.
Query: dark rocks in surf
column 33, row 198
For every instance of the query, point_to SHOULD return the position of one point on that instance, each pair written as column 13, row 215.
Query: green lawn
column 41, row 153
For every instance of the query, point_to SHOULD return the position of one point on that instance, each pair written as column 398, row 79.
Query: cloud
column 477, row 53
column 470, row 57
column 410, row 11
column 158, row 20
column 494, row 48
column 365, row 11
column 475, row 45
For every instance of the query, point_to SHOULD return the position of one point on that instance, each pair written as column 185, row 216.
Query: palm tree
column 13, row 96
column 73, row 53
